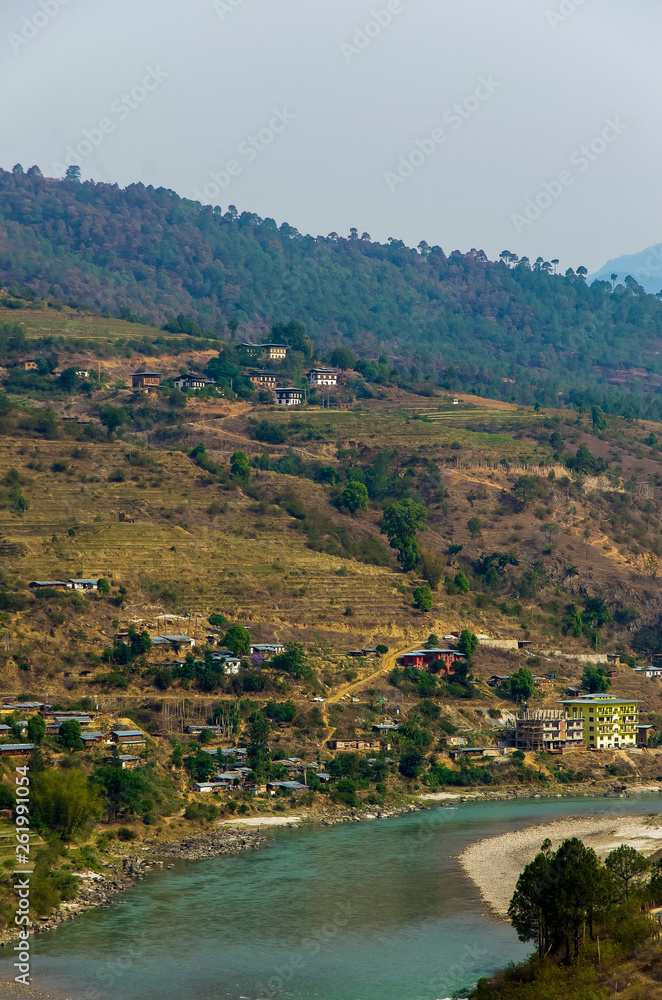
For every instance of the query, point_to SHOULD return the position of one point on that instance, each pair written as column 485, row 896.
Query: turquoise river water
column 376, row 910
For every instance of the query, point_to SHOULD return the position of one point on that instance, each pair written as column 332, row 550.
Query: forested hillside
column 509, row 329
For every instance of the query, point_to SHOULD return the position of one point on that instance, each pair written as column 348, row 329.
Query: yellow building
column 608, row 721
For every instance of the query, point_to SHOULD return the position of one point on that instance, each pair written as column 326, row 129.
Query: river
column 378, row 910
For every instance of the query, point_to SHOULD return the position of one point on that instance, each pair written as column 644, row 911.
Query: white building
column 322, row 377
column 288, row 396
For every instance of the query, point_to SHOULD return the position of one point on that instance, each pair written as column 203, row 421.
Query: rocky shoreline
column 125, row 871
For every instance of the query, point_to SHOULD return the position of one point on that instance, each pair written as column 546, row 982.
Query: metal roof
column 5, row 747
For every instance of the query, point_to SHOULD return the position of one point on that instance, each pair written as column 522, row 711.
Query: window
column 591, row 729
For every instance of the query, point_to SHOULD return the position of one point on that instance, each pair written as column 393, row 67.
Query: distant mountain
column 644, row 267
column 507, row 329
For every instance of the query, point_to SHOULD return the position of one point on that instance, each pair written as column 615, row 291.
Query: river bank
column 126, row 869
column 495, row 863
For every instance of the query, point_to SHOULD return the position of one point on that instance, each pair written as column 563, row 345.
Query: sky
column 526, row 125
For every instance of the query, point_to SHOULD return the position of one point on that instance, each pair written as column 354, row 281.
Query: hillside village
column 243, row 583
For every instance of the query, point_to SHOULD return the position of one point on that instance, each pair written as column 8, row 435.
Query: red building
column 424, row 659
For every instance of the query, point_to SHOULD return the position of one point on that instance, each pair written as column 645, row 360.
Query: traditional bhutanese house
column 263, row 380
column 84, row 720
column 322, row 377
column 127, row 736
column 425, row 658
column 293, row 787
column 652, row 672
column 90, row 584
column 145, row 381
column 289, row 396
column 385, row 727
column 642, row 734
column 126, row 760
column 175, row 641
column 354, row 745
column 4, row 729
column 497, row 679
column 195, row 382
column 267, row 648
column 88, row 738
column 28, row 365
column 16, row 749
column 274, row 352
column 49, row 584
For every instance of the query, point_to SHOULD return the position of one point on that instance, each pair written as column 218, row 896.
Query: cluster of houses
column 121, row 737
column 284, row 394
column 238, row 776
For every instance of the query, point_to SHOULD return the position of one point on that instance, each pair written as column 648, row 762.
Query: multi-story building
column 274, row 352
column 608, row 721
column 286, row 395
column 548, row 729
column 322, row 377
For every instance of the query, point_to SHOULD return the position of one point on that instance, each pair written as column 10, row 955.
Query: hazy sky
column 419, row 119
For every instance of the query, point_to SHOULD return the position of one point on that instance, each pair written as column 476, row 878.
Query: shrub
column 124, row 833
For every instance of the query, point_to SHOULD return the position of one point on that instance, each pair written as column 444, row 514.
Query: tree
column 400, row 523
column 233, row 326
column 528, row 911
column 573, row 620
column 238, row 639
column 411, row 765
column 73, row 173
column 577, row 882
column 625, row 864
column 258, row 756
column 423, row 598
column 598, row 419
column 467, row 643
column 343, row 358
column 63, row 800
column 113, row 417
column 293, row 661
column 36, row 729
column 522, row 684
column 433, row 567
column 526, row 488
column 354, row 497
column 217, row 619
column 69, row 735
column 122, row 789
column 550, row 529
column 432, row 641
column 240, row 467
column 474, row 524
column 595, row 680
column 103, row 586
